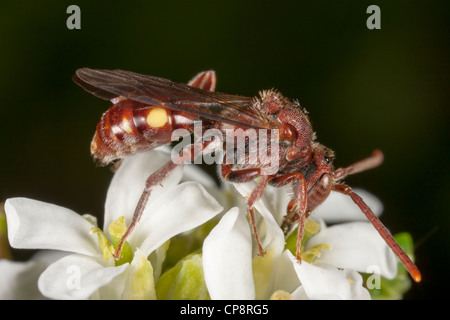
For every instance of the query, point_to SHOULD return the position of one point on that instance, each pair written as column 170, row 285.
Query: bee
column 146, row 111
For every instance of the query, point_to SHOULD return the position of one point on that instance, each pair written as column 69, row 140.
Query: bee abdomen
column 123, row 131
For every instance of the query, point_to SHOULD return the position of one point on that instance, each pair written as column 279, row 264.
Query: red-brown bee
column 147, row 110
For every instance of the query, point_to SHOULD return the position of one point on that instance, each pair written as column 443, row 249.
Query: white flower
column 88, row 271
column 334, row 256
column 232, row 271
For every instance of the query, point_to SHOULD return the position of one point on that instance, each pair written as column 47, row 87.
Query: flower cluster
column 192, row 242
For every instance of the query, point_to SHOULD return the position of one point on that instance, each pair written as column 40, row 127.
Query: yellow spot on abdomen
column 157, row 117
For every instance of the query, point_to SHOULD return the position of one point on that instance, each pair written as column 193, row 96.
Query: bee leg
column 245, row 175
column 205, row 80
column 384, row 233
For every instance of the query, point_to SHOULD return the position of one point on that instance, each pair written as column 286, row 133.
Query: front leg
column 297, row 208
column 384, row 233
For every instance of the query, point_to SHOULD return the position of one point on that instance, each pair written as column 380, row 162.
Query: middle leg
column 245, row 175
column 297, row 209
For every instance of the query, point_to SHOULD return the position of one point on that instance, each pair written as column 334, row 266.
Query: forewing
column 233, row 109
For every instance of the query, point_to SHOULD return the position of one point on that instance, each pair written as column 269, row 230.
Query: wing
column 232, row 109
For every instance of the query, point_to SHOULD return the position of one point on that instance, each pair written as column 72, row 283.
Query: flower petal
column 19, row 279
column 339, row 207
column 38, row 225
column 327, row 282
column 227, row 258
column 128, row 183
column 299, row 294
column 356, row 246
column 267, row 206
column 274, row 237
column 76, row 277
column 285, row 277
column 192, row 172
column 140, row 283
column 187, row 206
column 275, row 199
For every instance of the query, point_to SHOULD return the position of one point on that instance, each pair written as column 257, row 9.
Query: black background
column 364, row 89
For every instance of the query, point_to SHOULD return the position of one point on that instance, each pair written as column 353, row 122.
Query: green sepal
column 184, row 281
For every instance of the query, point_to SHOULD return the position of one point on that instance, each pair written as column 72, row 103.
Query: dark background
column 364, row 89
